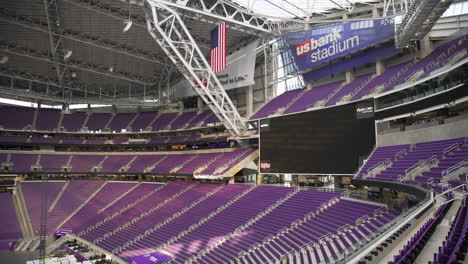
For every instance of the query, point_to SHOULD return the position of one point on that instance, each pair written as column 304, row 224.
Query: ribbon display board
column 314, row 47
column 206, row 176
column 151, row 258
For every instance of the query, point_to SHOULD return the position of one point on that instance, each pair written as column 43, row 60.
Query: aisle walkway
column 436, row 240
column 399, row 246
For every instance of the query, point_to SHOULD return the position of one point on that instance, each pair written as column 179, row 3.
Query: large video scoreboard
column 326, row 141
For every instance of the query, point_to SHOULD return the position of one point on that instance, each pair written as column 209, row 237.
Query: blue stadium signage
column 313, row 47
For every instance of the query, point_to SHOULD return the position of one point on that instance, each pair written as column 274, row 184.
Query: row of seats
column 216, row 162
column 20, row 118
column 105, row 141
column 402, row 159
column 186, row 218
column 10, row 228
column 366, row 85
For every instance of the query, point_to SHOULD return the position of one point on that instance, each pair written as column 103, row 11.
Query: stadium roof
column 81, row 51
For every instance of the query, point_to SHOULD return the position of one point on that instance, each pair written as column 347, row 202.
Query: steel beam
column 31, row 23
column 420, row 17
column 95, row 98
column 100, row 70
column 167, row 28
column 53, row 25
column 120, row 14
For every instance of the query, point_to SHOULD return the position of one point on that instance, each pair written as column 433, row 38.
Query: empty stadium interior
column 309, row 132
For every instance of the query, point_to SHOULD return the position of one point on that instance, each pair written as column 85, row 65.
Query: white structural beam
column 56, row 44
column 169, row 31
column 222, row 10
column 420, row 17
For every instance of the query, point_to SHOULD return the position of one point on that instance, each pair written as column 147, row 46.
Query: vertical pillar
column 181, row 107
column 375, row 12
column 258, row 179
column 379, row 67
column 232, row 180
column 426, row 46
column 199, row 104
column 349, row 76
column 249, row 100
column 309, row 85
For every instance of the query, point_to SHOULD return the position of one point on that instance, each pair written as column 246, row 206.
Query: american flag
column 218, row 48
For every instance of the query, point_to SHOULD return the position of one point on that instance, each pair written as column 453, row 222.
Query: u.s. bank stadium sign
column 313, row 47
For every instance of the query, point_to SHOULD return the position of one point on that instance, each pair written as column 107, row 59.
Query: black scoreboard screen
column 326, row 141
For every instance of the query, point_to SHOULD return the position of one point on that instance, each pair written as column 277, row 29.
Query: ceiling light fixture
column 127, row 26
column 4, row 60
column 67, row 54
column 128, row 23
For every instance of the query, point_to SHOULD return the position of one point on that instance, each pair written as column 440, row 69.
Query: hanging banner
column 240, row 69
column 313, row 47
column 239, row 72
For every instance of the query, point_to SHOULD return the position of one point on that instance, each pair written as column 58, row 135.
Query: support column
column 249, row 100
column 349, row 76
column 199, row 104
column 309, row 85
column 379, row 67
column 259, row 179
column 232, row 180
column 426, row 46
column 375, row 13
column 181, row 107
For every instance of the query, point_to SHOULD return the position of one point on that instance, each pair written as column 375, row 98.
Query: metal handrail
column 450, row 148
column 432, row 159
column 414, row 166
column 420, row 163
column 460, row 164
column 401, row 152
column 375, row 166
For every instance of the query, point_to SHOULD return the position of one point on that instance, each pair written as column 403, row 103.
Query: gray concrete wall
column 439, row 132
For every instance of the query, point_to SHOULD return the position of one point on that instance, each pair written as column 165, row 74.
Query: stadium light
column 4, row 60
column 127, row 26
column 67, row 54
column 128, row 23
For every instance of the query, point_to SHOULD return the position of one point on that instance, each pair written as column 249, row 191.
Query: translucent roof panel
column 282, row 9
